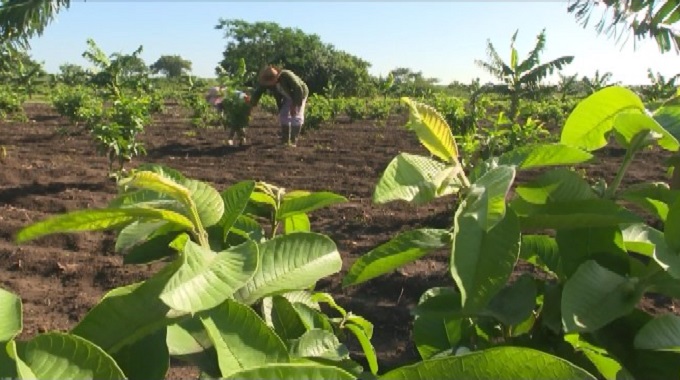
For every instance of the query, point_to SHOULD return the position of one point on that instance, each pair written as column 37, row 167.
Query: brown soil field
column 60, row 277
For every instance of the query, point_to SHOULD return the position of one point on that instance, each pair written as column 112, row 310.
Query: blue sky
column 441, row 39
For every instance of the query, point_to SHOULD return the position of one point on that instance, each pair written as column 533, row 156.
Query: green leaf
column 669, row 118
column 655, row 197
column 299, row 202
column 96, row 220
column 543, row 252
column 242, row 339
column 129, row 313
column 672, row 227
column 602, row 244
column 481, row 262
column 434, row 334
column 285, row 319
column 587, row 213
column 65, row 356
column 205, row 279
column 591, row 120
column 136, row 233
column 651, row 242
column 557, row 185
column 432, row 130
column 661, row 333
column 595, row 296
column 412, row 178
column 297, row 371
column 291, row 262
column 207, row 200
column 514, row 303
column 485, row 201
column 8, row 365
column 497, row 363
column 601, row 359
column 235, row 200
column 156, row 248
column 629, row 124
column 440, row 302
column 296, row 223
column 542, row 155
column 189, row 342
column 11, row 322
column 320, row 344
column 146, row 359
column 366, row 346
column 404, row 248
column 19, row 368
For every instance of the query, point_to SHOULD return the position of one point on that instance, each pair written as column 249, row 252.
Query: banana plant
column 521, row 78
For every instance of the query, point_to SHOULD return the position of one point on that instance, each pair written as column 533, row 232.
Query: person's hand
column 293, row 111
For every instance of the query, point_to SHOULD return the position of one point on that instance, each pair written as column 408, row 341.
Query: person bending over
column 290, row 93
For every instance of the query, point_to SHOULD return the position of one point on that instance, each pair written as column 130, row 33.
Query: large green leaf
column 514, row 303
column 602, row 244
column 65, row 356
column 595, row 296
column 96, row 220
column 291, row 262
column 235, row 200
column 404, row 248
column 649, row 241
column 297, row 223
column 208, row 201
column 672, row 227
column 655, row 197
column 9, row 362
column 589, row 123
column 129, row 313
column 497, row 363
column 413, row 178
column 481, row 262
column 297, row 371
column 299, row 202
column 629, row 124
column 557, row 185
column 485, row 200
column 145, row 359
column 435, row 331
column 608, row 366
column 189, row 342
column 542, row 155
column 136, row 233
column 542, row 251
column 285, row 319
column 669, row 118
column 11, row 322
column 205, row 279
column 587, row 213
column 661, row 333
column 432, row 130
column 242, row 339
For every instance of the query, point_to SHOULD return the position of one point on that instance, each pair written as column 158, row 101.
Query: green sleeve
column 256, row 95
column 296, row 86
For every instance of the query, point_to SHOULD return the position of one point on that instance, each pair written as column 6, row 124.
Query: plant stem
column 635, row 145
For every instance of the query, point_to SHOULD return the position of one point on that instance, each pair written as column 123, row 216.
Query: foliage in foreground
column 236, row 297
column 598, row 256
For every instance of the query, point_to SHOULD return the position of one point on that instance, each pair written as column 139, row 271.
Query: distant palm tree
column 660, row 88
column 523, row 77
column 567, row 85
column 598, row 82
column 20, row 20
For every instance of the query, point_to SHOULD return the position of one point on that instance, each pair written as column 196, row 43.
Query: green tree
column 411, row 83
column 172, row 66
column 660, row 87
column 317, row 63
column 72, row 74
column 641, row 18
column 521, row 77
column 567, row 85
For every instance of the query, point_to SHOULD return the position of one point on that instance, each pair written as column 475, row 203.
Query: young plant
column 202, row 307
column 598, row 258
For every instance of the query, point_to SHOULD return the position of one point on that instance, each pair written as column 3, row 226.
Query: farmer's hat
column 268, row 76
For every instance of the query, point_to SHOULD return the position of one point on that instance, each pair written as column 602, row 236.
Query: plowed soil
column 60, row 277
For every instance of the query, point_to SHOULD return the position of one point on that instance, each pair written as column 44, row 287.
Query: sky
column 440, row 39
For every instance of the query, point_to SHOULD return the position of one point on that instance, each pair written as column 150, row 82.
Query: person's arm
column 256, row 95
